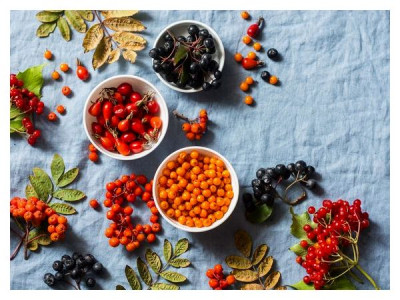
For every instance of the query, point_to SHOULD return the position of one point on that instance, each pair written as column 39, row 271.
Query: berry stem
column 15, row 252
column 367, row 276
column 183, row 117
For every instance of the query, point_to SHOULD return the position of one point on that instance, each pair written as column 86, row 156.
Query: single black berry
column 89, row 259
column 190, row 39
column 300, row 165
column 217, row 74
column 280, row 169
column 267, row 199
column 256, row 183
column 310, row 170
column 193, row 30
column 97, row 267
column 204, row 33
column 291, row 167
column 168, row 46
column 216, row 83
column 49, row 279
column 311, row 183
column 75, row 255
column 168, row 37
column 157, row 67
column 181, row 38
column 90, row 282
column 167, row 67
column 59, row 276
column 213, row 67
column 260, row 173
column 211, row 50
column 194, row 68
column 58, row 265
column 206, row 86
column 272, row 53
column 271, row 172
column 266, row 179
column 153, row 53
column 69, row 263
column 75, row 273
column 209, row 43
column 206, row 57
column 265, row 75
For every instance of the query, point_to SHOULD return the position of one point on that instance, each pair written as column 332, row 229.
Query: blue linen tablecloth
column 331, row 110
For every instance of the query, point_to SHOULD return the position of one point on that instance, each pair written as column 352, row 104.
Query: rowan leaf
column 252, row 286
column 265, row 266
column 76, row 20
column 129, row 40
column 132, row 278
column 101, row 53
column 129, row 55
column 245, row 275
column 173, row 276
column 44, row 240
column 63, row 208
column 16, row 124
column 119, row 287
column 33, row 246
column 179, row 262
column 45, row 29
column 144, row 272
column 114, row 56
column 86, row 14
column 118, row 13
column 68, row 177
column 259, row 254
column 57, row 167
column 124, row 24
column 243, row 242
column 47, row 16
column 42, row 184
column 238, row 262
column 164, row 286
column 153, row 260
column 272, row 280
column 64, row 29
column 181, row 247
column 30, row 192
column 69, row 194
column 92, row 37
column 167, row 250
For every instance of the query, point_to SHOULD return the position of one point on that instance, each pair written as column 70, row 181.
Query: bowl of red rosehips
column 188, row 56
column 125, row 117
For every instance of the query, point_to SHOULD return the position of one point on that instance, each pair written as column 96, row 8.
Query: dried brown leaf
column 245, row 275
column 101, row 53
column 129, row 55
column 252, row 286
column 272, row 280
column 124, row 24
column 118, row 13
column 265, row 266
column 130, row 41
column 92, row 37
column 114, row 56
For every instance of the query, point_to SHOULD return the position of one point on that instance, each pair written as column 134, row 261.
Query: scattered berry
column 92, row 148
column 273, row 54
column 61, row 109
column 194, row 129
column 245, row 15
column 247, row 40
column 249, row 80
column 251, row 55
column 55, row 75
column 244, row 86
column 254, row 29
column 257, row 46
column 81, row 71
column 64, row 67
column 273, row 80
column 47, row 54
column 265, row 76
column 52, row 117
column 238, row 57
column 94, row 203
column 93, row 156
column 248, row 100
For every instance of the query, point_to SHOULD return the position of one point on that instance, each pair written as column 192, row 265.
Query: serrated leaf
column 173, row 276
column 118, row 13
column 238, row 262
column 132, row 278
column 129, row 55
column 298, row 222
column 153, row 260
column 243, row 242
column 47, row 16
column 265, row 266
column 86, row 14
column 272, row 280
column 119, row 287
column 124, row 24
column 164, row 286
column 252, row 286
column 76, row 20
column 260, row 214
column 92, row 37
column 33, row 79
column 14, row 112
column 180, row 54
column 63, row 208
column 57, row 167
column 30, row 192
column 16, row 124
column 167, row 250
column 101, row 53
column 114, row 56
column 179, row 262
column 259, row 254
column 42, row 184
column 245, row 275
column 181, row 247
column 45, row 29
column 298, row 250
column 63, row 27
column 69, row 195
column 129, row 40
column 68, row 177
column 144, row 272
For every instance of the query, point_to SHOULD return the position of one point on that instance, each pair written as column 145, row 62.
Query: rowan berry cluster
column 194, row 129
column 218, row 281
column 122, row 229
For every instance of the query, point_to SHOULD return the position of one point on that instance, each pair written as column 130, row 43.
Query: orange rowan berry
column 151, row 238
column 93, row 156
column 114, row 242
column 130, row 247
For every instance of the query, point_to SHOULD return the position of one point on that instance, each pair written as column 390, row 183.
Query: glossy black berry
column 49, row 279
column 310, row 170
column 291, row 167
column 64, row 257
column 161, row 51
column 210, row 50
column 204, row 33
column 69, row 263
column 204, row 64
column 265, row 75
column 58, row 265
column 190, row 39
column 168, row 37
column 272, row 53
column 206, row 86
column 153, row 53
column 280, row 169
column 311, row 183
column 157, row 67
column 209, row 43
column 59, row 276
column 181, row 38
column 206, row 57
column 267, row 199
column 81, row 262
column 218, row 74
column 213, row 67
column 271, row 172
column 97, row 267
column 260, row 173
column 256, row 183
column 75, row 273
column 266, row 179
column 90, row 282
column 75, row 255
column 193, row 30
column 194, row 68
column 168, row 46
column 300, row 165
column 89, row 259
column 216, row 83
column 167, row 67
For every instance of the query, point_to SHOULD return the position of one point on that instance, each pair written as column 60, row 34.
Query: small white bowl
column 204, row 151
column 180, row 28
column 140, row 85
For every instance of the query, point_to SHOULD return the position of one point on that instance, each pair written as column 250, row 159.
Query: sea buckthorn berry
column 257, row 46
column 55, row 75
column 245, row 15
column 249, row 80
column 60, row 109
column 238, row 57
column 244, row 86
column 52, row 117
column 246, row 39
column 248, row 100
column 64, row 67
column 66, row 91
column 273, row 80
column 47, row 54
column 251, row 55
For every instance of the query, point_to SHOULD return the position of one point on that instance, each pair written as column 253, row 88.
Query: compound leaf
column 101, row 53
column 76, row 20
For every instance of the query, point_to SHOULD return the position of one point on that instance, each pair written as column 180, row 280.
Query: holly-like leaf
column 57, row 167
column 101, row 53
column 47, row 16
column 92, row 37
column 30, row 192
column 259, row 254
column 64, row 29
column 167, row 250
column 42, row 184
column 69, row 194
column 153, row 260
column 114, row 56
column 129, row 55
column 245, row 275
column 298, row 222
column 173, row 276
column 164, row 286
column 265, row 266
column 68, row 177
column 119, row 287
column 45, row 29
column 63, row 208
column 132, row 278
column 272, row 280
column 180, row 54
column 179, row 262
column 181, row 247
column 129, row 40
column 118, row 13
column 298, row 250
column 252, row 286
column 86, row 14
column 238, row 262
column 260, row 214
column 33, row 79
column 243, row 242
column 144, row 272
column 124, row 24
column 76, row 20
column 16, row 125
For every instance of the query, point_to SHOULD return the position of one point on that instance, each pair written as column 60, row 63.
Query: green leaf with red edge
column 298, row 222
column 33, row 79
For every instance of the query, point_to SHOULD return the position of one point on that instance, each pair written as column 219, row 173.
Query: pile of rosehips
column 28, row 103
column 337, row 225
column 126, row 120
column 122, row 230
column 218, row 281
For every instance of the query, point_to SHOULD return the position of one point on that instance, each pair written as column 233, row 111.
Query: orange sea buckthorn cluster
column 195, row 189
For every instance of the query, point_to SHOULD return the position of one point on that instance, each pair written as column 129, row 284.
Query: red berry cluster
column 337, row 224
column 27, row 102
column 218, row 281
column 122, row 230
column 34, row 212
column 194, row 129
column 126, row 120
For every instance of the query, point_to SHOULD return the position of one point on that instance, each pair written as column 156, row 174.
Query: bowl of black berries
column 188, row 56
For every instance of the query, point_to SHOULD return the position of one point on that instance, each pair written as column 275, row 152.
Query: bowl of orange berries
column 195, row 189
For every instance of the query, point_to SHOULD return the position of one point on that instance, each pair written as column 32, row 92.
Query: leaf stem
column 105, row 28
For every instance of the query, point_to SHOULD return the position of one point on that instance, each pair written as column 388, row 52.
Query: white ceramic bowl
column 234, row 183
column 180, row 28
column 140, row 85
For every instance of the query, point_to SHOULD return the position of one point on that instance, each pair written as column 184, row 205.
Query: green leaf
column 86, row 14
column 57, row 167
column 341, row 283
column 119, row 287
column 173, row 276
column 238, row 262
column 47, row 16
column 245, row 275
column 101, row 53
column 132, row 278
column 153, row 260
column 298, row 222
column 16, row 125
column 259, row 254
column 63, row 208
column 180, row 54
column 76, row 20
column 63, row 26
column 30, row 192
column 144, row 272
column 167, row 250
column 298, row 250
column 45, row 29
column 243, row 242
column 33, row 79
column 92, row 37
column 164, row 286
column 260, row 214
column 68, row 177
column 14, row 112
column 265, row 266
column 42, row 184
column 69, row 194
column 33, row 246
column 181, row 247
column 44, row 240
column 179, row 262
column 272, row 280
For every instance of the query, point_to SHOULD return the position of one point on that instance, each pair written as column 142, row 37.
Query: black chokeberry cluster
column 78, row 267
column 266, row 181
column 188, row 61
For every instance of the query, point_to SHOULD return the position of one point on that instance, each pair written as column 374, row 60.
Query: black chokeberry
column 204, row 33
column 153, row 53
column 69, row 263
column 204, row 64
column 267, row 199
column 161, row 51
column 311, row 183
column 193, row 30
column 49, row 279
column 64, row 257
column 194, row 68
column 300, row 165
column 75, row 273
column 216, row 83
column 272, row 53
column 213, row 67
column 271, row 172
column 181, row 38
column 168, row 46
column 266, row 179
column 256, row 183
column 209, row 43
column 260, row 173
column 206, row 57
column 59, row 276
column 310, row 170
column 217, row 74
column 291, row 167
column 157, row 67
column 265, row 75
column 206, row 86
column 190, row 39
column 211, row 50
column 167, row 67
column 90, row 282
column 97, row 267
column 168, row 37
column 81, row 262
column 89, row 259
column 58, row 265
column 280, row 169
column 75, row 255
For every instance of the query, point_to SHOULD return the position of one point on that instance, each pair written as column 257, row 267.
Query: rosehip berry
column 94, row 203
